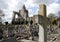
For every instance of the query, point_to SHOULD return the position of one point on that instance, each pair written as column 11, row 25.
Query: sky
column 8, row 6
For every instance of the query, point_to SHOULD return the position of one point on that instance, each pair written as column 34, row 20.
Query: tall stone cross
column 42, row 21
column 43, row 24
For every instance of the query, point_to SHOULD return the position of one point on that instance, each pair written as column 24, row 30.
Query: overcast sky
column 8, row 6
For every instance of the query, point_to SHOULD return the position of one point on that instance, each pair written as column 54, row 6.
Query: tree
column 52, row 17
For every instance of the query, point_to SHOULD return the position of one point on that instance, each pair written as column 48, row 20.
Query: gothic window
column 16, row 16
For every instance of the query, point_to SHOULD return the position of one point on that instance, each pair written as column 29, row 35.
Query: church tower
column 42, row 9
column 24, row 12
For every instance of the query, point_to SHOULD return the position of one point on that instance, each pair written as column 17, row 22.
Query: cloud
column 12, row 4
column 3, row 4
column 53, row 8
column 47, row 2
column 31, row 6
column 8, row 6
column 52, row 5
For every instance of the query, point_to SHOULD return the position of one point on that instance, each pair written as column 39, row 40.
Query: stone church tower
column 24, row 12
column 22, row 15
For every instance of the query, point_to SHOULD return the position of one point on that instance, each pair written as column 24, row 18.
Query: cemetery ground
column 54, row 37
column 23, row 37
column 13, row 39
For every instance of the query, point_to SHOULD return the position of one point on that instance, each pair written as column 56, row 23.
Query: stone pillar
column 42, row 34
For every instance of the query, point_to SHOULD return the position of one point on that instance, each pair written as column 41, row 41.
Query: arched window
column 16, row 16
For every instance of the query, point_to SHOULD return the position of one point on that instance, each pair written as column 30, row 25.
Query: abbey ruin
column 23, row 21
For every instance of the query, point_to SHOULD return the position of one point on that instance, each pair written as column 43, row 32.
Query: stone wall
column 17, row 30
column 10, row 30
